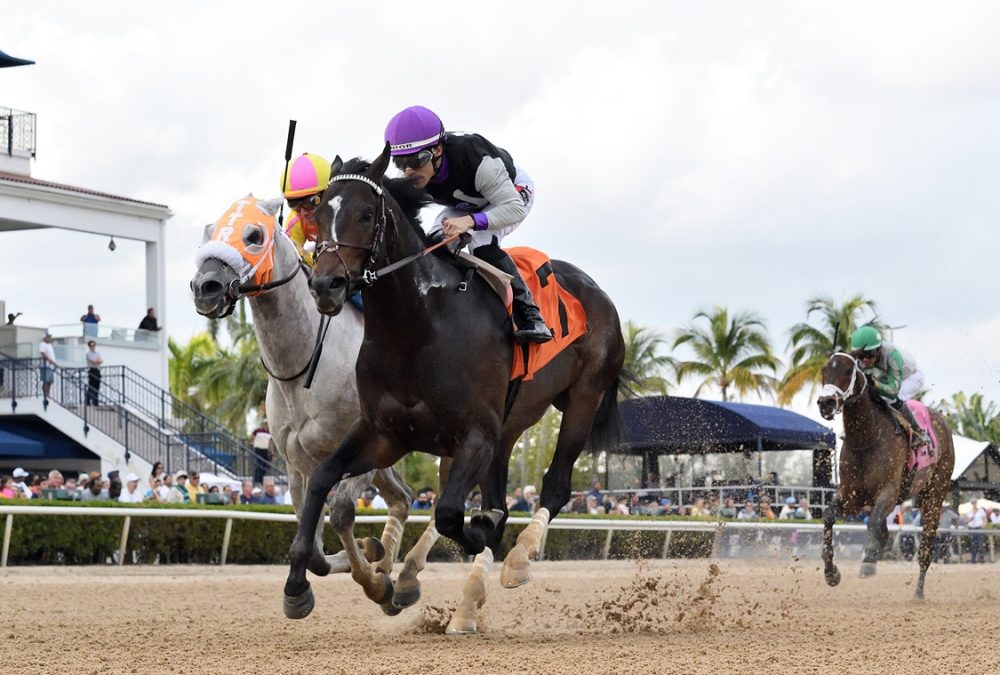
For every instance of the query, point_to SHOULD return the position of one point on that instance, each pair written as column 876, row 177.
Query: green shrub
column 80, row 540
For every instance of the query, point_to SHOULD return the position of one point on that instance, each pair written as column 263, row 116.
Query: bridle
column 369, row 274
column 840, row 396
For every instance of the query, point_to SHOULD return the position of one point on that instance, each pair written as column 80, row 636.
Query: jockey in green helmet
column 894, row 374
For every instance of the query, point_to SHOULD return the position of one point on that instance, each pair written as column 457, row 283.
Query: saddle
column 926, row 454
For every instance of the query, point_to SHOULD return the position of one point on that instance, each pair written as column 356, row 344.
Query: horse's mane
column 410, row 198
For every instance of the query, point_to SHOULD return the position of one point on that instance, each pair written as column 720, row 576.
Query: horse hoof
column 299, row 607
column 919, row 596
column 383, row 595
column 833, row 578
column 390, row 608
column 461, row 626
column 867, row 570
column 339, row 564
column 406, row 597
column 516, row 568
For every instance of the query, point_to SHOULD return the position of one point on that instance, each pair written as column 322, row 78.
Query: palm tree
column 187, row 366
column 812, row 346
column 643, row 362
column 236, row 384
column 730, row 353
column 971, row 417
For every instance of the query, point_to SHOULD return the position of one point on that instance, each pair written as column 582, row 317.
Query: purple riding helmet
column 413, row 130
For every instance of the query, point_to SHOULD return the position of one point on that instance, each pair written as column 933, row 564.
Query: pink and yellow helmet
column 306, row 175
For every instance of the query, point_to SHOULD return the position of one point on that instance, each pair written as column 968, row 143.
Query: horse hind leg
column 578, row 419
column 463, row 621
column 932, row 499
column 830, row 570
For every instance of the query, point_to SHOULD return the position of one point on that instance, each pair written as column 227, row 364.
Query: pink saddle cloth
column 926, row 454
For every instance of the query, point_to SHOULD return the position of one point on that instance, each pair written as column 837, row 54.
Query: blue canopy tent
column 8, row 61
column 659, row 425
column 15, row 445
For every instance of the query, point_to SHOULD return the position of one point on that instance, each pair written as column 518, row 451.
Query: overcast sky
column 744, row 154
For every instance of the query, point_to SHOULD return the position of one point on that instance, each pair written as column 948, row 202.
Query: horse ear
column 336, row 166
column 379, row 166
column 270, row 206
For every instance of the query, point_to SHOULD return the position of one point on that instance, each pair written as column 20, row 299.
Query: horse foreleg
column 830, row 570
column 407, row 590
column 397, row 495
column 344, row 500
column 318, row 564
column 463, row 621
column 517, row 565
column 376, row 585
column 878, row 531
column 345, row 461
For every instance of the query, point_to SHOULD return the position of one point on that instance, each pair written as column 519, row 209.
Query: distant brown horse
column 873, row 467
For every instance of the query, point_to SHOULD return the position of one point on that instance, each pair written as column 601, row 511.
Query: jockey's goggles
column 414, row 161
column 306, row 203
column 870, row 354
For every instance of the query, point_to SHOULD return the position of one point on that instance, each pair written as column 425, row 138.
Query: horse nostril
column 210, row 287
column 336, row 283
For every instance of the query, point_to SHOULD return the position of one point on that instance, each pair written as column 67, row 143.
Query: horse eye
column 253, row 235
column 367, row 214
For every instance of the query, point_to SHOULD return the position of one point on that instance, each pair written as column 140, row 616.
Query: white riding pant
column 526, row 187
column 911, row 385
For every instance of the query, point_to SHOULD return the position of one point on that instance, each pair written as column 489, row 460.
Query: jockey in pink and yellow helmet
column 302, row 184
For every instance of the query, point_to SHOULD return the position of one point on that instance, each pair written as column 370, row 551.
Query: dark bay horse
column 433, row 375
column 873, row 467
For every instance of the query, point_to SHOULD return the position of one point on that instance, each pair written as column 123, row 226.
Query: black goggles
column 308, row 203
column 414, row 161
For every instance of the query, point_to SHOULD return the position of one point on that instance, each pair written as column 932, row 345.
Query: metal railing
column 17, row 129
column 145, row 419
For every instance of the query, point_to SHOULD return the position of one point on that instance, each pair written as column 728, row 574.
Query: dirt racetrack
column 574, row 617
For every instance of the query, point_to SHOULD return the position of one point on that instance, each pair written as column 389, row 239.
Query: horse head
column 236, row 257
column 842, row 380
column 352, row 218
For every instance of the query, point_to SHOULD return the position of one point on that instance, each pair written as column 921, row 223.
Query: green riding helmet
column 866, row 339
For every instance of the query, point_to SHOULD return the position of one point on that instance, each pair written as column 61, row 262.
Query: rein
column 369, row 275
column 843, row 395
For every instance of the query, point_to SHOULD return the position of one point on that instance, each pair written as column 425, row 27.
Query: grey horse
column 245, row 254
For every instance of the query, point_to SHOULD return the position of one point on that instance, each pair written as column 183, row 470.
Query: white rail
column 611, row 525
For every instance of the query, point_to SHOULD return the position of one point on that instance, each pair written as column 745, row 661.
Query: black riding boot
column 919, row 437
column 528, row 323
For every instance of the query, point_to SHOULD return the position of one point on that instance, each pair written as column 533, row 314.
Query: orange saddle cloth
column 562, row 312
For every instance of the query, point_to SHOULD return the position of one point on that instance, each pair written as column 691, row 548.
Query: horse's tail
column 608, row 430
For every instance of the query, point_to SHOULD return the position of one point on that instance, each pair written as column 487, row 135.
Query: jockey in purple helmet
column 484, row 192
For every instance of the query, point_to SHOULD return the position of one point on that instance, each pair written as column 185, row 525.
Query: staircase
column 147, row 421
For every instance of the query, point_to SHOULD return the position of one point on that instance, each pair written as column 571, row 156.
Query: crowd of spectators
column 181, row 487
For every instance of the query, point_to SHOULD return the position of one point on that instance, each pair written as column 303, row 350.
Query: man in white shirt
column 47, row 370
column 977, row 521
column 131, row 494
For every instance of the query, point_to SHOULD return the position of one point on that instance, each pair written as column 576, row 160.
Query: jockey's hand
column 453, row 226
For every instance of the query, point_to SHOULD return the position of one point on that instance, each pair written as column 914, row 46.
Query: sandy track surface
column 574, row 617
